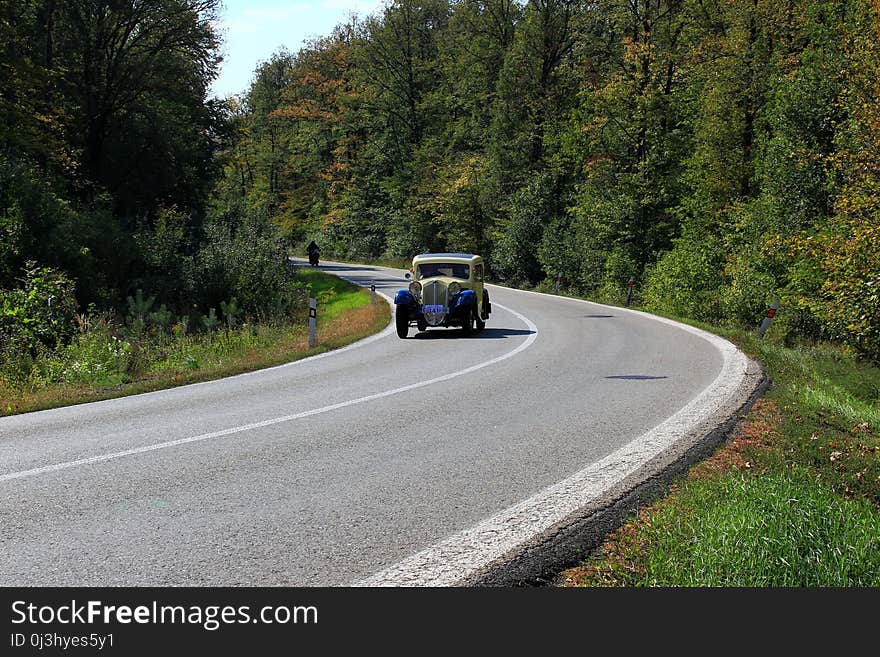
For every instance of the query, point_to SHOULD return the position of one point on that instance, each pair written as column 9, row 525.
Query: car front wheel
column 467, row 326
column 402, row 322
column 481, row 323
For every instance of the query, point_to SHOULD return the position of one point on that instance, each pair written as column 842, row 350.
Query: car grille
column 434, row 294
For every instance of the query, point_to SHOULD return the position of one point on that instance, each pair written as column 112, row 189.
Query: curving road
column 390, row 462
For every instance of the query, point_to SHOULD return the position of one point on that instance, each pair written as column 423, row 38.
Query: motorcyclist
column 312, row 250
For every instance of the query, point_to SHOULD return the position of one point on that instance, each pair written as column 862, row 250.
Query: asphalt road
column 393, row 461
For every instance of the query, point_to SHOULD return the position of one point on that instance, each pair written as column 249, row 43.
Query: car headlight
column 415, row 288
column 454, row 288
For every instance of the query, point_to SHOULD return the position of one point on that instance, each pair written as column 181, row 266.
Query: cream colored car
column 447, row 289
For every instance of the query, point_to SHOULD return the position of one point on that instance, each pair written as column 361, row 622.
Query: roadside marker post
column 629, row 289
column 768, row 318
column 373, row 292
column 313, row 323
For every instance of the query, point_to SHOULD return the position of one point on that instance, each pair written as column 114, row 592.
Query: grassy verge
column 346, row 315
column 792, row 500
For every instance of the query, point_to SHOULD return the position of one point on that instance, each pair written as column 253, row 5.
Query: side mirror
column 407, row 275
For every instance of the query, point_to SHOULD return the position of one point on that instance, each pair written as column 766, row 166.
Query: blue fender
column 404, row 298
column 465, row 299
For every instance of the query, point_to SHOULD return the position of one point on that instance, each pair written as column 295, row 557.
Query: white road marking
column 279, row 420
column 453, row 560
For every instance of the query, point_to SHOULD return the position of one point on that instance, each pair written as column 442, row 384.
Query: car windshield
column 451, row 269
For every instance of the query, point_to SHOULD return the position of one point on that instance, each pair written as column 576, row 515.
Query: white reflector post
column 313, row 323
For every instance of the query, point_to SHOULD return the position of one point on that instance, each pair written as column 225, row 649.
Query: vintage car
column 446, row 290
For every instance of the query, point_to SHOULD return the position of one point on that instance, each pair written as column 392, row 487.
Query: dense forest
column 109, row 155
column 725, row 153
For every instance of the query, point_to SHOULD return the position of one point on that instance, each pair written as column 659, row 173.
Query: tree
column 843, row 254
column 135, row 75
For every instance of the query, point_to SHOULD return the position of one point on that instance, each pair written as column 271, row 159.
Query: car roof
column 440, row 257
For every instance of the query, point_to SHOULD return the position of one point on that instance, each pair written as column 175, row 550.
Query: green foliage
column 106, row 358
column 162, row 317
column 620, row 266
column 515, row 257
column 167, row 254
column 147, row 106
column 96, row 356
column 247, row 263
column 211, row 321
column 723, row 153
column 230, row 313
column 747, row 292
column 685, row 280
column 843, row 288
column 39, row 312
column 138, row 310
column 104, row 124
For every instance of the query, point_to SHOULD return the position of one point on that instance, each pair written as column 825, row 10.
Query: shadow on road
column 598, row 316
column 636, row 377
column 457, row 334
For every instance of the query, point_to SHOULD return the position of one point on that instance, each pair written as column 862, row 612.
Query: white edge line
column 278, row 420
column 465, row 553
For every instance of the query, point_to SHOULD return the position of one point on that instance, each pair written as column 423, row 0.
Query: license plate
column 427, row 308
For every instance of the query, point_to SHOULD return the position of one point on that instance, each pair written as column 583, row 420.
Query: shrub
column 138, row 309
column 747, row 292
column 41, row 311
column 515, row 257
column 685, row 280
column 619, row 267
column 16, row 359
column 247, row 263
column 96, row 356
column 167, row 258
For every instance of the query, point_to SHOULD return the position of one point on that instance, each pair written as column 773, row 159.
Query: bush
column 515, row 257
column 96, row 356
column 849, row 299
column 685, row 281
column 619, row 267
column 167, row 258
column 247, row 263
column 747, row 293
column 16, row 360
column 41, row 311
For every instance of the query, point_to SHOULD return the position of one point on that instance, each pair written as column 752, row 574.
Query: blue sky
column 253, row 29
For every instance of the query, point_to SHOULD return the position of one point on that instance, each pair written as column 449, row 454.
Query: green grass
column 334, row 295
column 98, row 365
column 783, row 528
column 793, row 500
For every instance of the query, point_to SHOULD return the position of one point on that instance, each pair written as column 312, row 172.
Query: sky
column 254, row 29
